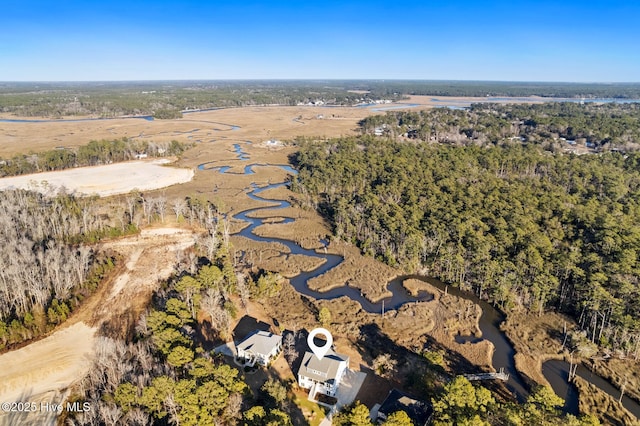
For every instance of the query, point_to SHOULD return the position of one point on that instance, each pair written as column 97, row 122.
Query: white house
column 261, row 347
column 322, row 375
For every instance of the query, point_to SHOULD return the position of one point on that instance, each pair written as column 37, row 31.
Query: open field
column 257, row 124
column 621, row 372
column 362, row 272
column 535, row 339
column 274, row 257
column 409, row 327
column 112, row 179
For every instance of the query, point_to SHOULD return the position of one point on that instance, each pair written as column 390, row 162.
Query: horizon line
column 317, row 79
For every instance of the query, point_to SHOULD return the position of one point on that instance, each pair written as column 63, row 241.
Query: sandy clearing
column 42, row 371
column 119, row 178
column 150, row 258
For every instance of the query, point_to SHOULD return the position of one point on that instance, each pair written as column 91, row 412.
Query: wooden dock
column 500, row 375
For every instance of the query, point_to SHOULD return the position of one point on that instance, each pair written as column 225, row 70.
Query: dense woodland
column 93, row 154
column 46, row 268
column 526, row 229
column 556, row 126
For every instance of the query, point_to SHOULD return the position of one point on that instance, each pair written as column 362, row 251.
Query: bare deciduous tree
column 384, row 365
column 211, row 304
column 161, row 206
column 179, row 207
column 243, row 289
column 289, row 346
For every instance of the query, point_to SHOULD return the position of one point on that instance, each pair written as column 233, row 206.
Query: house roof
column 260, row 342
column 418, row 411
column 322, row 370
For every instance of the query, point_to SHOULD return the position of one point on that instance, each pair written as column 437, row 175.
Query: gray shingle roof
column 261, row 342
column 323, row 370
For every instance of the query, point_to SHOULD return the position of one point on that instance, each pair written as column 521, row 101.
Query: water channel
column 556, row 372
column 73, row 120
column 489, row 321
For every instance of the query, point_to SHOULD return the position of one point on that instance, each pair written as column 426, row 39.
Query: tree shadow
column 30, row 413
column 408, row 374
column 414, row 373
column 122, row 326
column 248, row 325
column 261, row 398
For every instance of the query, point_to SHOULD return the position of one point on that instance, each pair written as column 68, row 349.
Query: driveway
column 349, row 387
column 228, row 349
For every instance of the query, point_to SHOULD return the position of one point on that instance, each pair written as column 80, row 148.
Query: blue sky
column 580, row 41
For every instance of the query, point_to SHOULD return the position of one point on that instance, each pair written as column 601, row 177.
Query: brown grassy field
column 535, row 339
column 409, row 327
column 362, row 272
column 539, row 338
column 274, row 257
column 594, row 401
column 257, row 124
column 621, row 372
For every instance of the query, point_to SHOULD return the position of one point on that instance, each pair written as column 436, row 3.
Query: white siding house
column 260, row 347
column 322, row 375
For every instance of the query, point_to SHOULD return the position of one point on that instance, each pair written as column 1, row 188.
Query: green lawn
column 312, row 411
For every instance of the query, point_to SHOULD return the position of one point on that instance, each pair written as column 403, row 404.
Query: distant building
column 418, row 411
column 260, row 347
column 322, row 375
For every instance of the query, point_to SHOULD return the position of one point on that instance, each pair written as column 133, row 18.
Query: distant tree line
column 167, row 113
column 520, row 227
column 601, row 126
column 165, row 99
column 500, row 89
column 94, row 153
